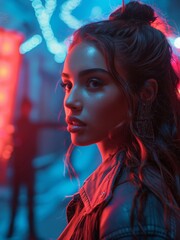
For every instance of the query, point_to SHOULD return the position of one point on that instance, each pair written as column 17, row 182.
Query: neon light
column 43, row 15
column 30, row 44
column 7, row 47
column 66, row 16
column 177, row 42
column 3, row 98
column 10, row 60
column 4, row 71
column 59, row 58
column 96, row 13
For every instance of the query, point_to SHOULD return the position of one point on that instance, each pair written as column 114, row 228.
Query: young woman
column 121, row 93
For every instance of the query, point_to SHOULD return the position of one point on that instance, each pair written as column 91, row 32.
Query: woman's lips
column 75, row 128
column 74, row 124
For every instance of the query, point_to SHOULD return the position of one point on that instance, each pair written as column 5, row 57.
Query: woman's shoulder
column 115, row 219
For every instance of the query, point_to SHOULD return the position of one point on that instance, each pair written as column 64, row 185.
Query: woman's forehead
column 84, row 56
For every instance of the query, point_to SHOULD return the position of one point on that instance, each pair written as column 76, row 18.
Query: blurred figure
column 25, row 149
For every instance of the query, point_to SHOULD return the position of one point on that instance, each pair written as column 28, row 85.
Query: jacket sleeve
column 115, row 218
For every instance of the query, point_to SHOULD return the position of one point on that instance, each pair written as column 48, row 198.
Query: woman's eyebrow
column 86, row 71
column 93, row 70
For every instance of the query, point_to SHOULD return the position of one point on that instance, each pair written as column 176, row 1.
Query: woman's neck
column 108, row 148
column 111, row 145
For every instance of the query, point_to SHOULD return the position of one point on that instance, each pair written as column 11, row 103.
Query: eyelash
column 94, row 80
column 68, row 85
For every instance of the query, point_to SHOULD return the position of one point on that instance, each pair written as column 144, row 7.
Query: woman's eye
column 94, row 83
column 67, row 86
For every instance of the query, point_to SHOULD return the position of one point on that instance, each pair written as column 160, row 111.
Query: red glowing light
column 2, row 98
column 4, row 70
column 10, row 62
column 7, row 47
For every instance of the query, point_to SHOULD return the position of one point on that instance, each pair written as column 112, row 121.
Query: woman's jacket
column 110, row 184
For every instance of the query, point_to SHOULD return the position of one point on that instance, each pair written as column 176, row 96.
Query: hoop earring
column 143, row 122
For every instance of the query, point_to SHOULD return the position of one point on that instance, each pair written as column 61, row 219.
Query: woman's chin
column 81, row 141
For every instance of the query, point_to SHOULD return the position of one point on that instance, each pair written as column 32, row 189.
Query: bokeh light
column 177, row 42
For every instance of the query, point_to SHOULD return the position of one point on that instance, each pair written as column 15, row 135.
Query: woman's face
column 94, row 103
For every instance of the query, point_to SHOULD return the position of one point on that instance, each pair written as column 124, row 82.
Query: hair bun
column 134, row 11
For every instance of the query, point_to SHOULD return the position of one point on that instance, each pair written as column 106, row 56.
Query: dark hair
column 142, row 52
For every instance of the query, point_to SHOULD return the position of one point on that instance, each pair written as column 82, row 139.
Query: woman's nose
column 73, row 101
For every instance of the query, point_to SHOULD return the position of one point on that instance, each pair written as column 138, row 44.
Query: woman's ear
column 149, row 90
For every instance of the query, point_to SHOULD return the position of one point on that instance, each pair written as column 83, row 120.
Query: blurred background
column 34, row 36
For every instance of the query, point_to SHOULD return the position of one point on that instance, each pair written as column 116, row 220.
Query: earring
column 143, row 121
